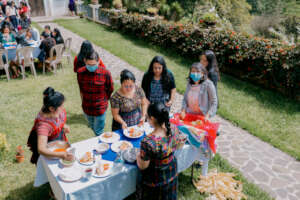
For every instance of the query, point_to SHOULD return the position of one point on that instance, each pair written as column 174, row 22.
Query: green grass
column 265, row 114
column 20, row 102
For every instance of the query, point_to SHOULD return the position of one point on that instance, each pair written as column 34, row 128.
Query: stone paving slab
column 271, row 169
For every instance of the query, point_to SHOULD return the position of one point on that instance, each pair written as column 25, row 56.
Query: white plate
column 115, row 137
column 106, row 172
column 71, row 174
column 115, row 146
column 135, row 128
column 86, row 163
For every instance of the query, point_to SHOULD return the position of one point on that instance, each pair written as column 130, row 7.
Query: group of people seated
column 131, row 105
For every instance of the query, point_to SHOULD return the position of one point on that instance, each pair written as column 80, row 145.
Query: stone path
column 272, row 170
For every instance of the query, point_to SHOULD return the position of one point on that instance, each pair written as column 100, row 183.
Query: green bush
column 177, row 11
column 269, row 63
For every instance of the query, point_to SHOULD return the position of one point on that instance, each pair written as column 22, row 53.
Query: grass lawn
column 20, row 102
column 267, row 115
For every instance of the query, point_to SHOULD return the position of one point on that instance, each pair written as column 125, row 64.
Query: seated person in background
column 29, row 35
column 7, row 22
column 57, row 36
column 1, row 16
column 47, row 31
column 45, row 47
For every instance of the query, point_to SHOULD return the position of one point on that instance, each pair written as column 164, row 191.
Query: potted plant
column 20, row 154
column 209, row 19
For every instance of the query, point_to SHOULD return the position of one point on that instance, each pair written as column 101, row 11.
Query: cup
column 88, row 173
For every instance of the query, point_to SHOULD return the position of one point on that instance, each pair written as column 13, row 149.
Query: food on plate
column 87, row 157
column 60, row 150
column 102, row 147
column 107, row 135
column 124, row 146
column 135, row 132
column 197, row 123
column 102, row 168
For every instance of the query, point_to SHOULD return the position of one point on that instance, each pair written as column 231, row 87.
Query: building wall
column 56, row 7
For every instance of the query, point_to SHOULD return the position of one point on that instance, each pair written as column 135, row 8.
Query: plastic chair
column 54, row 60
column 3, row 65
column 67, row 52
column 25, row 58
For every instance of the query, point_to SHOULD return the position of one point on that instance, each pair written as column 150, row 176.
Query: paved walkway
column 272, row 170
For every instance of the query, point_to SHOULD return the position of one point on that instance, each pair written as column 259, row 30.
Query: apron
column 58, row 134
column 131, row 118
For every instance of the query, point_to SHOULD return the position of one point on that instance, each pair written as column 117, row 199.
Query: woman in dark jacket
column 209, row 61
column 158, row 83
column 57, row 36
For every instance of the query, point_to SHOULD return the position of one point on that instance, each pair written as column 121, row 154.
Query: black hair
column 5, row 25
column 161, row 114
column 57, row 31
column 85, row 49
column 53, row 99
column 47, row 27
column 46, row 35
column 92, row 56
column 212, row 62
column 127, row 75
column 200, row 67
column 165, row 77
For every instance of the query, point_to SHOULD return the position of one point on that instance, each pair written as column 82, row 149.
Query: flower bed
column 269, row 63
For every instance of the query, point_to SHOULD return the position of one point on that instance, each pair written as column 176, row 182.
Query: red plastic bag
column 206, row 125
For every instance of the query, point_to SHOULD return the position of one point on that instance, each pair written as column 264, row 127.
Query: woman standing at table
column 49, row 125
column 156, row 159
column 158, row 83
column 200, row 97
column 11, row 12
column 128, row 104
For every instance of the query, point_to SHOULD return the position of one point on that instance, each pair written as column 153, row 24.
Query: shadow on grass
column 76, row 119
column 28, row 192
column 269, row 99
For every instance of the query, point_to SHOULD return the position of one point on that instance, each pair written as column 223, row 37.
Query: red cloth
column 76, row 65
column 23, row 10
column 96, row 89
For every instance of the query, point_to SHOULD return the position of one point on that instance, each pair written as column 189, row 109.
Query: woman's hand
column 169, row 103
column 142, row 120
column 66, row 128
column 182, row 115
column 67, row 156
column 124, row 125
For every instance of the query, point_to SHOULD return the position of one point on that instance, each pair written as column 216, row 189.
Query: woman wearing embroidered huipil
column 128, row 104
column 49, row 125
column 200, row 98
column 156, row 159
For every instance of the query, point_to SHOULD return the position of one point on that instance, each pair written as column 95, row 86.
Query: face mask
column 195, row 76
column 91, row 68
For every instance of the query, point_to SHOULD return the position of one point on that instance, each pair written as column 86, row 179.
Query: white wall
column 56, row 7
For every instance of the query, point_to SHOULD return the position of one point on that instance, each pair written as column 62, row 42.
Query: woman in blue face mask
column 200, row 96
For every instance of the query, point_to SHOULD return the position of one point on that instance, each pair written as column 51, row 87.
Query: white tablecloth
column 117, row 186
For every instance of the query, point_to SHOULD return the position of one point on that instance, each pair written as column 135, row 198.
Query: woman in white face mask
column 200, row 96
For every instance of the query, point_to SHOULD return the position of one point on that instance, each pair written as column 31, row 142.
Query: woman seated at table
column 45, row 47
column 85, row 49
column 57, row 36
column 200, row 96
column 156, row 159
column 49, row 125
column 158, row 83
column 128, row 104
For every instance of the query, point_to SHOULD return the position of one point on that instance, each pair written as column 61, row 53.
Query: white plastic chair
column 25, row 58
column 4, row 54
column 67, row 52
column 54, row 61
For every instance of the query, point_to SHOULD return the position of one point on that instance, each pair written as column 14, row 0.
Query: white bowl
column 102, row 147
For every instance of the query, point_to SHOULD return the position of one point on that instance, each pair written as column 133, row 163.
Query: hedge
column 269, row 63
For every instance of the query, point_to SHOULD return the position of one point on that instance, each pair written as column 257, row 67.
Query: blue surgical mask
column 91, row 68
column 195, row 76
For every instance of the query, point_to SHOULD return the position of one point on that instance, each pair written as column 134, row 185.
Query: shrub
column 177, row 11
column 270, row 63
column 4, row 146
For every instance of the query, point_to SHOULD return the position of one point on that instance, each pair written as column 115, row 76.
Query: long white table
column 117, row 186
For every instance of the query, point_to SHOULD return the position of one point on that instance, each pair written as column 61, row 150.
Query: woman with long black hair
column 156, row 159
column 209, row 61
column 57, row 36
column 158, row 83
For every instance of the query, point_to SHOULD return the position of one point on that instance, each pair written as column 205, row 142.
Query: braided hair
column 53, row 99
column 161, row 114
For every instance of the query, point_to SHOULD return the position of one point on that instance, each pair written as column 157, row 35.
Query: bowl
column 66, row 163
column 102, row 147
column 129, row 155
